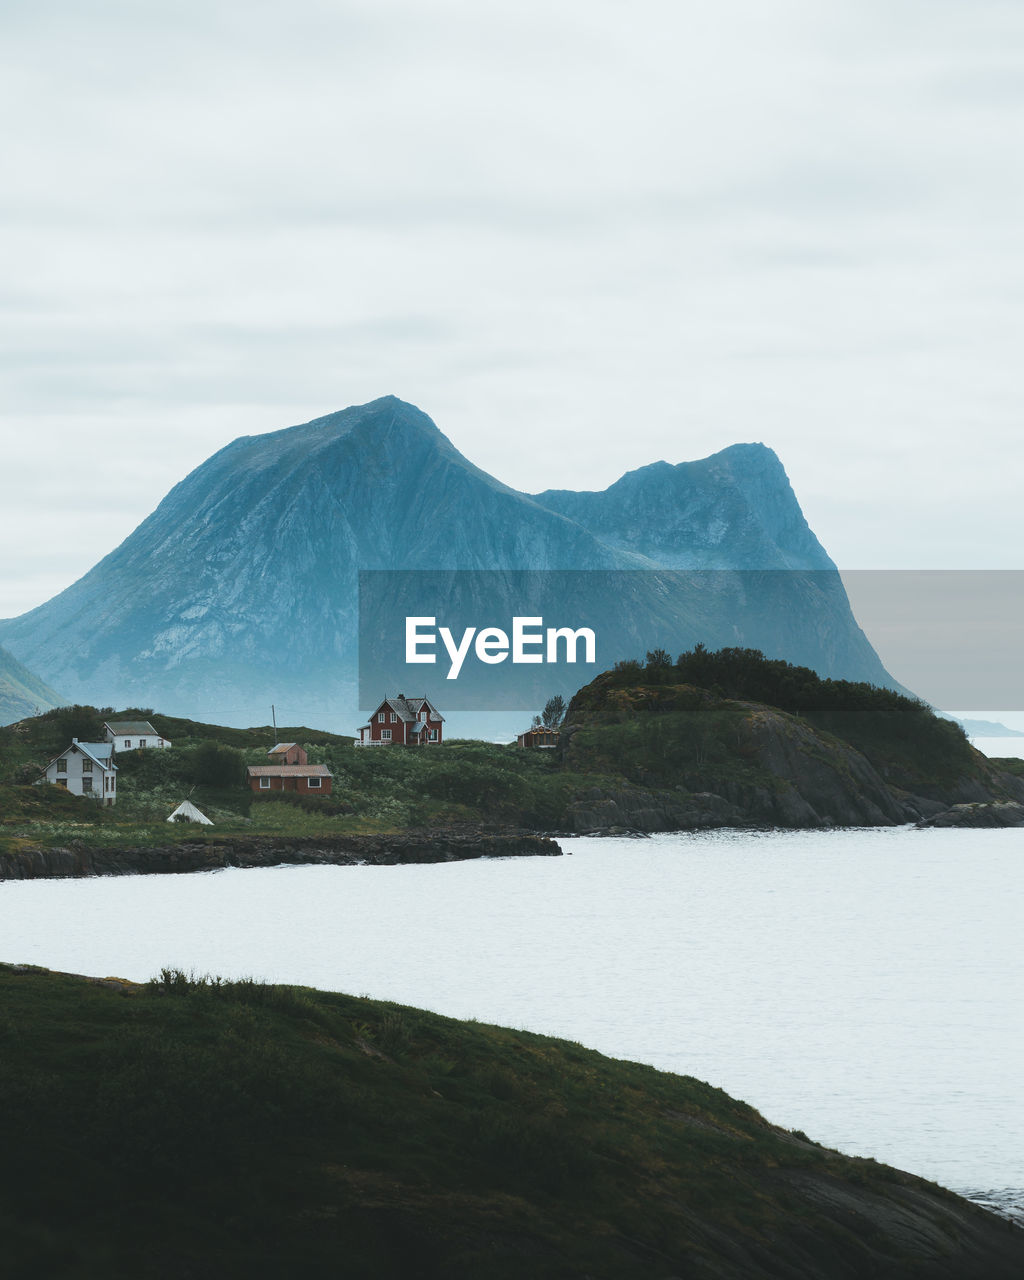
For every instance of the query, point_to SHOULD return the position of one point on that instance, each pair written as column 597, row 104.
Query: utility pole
column 273, row 716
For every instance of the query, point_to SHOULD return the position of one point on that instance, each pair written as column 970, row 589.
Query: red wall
column 301, row 785
column 398, row 728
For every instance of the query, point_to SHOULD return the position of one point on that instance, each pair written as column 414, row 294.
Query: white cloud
column 581, row 237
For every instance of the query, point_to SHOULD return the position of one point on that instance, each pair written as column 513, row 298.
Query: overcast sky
column 581, row 236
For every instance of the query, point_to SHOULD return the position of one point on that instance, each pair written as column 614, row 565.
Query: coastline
column 77, row 859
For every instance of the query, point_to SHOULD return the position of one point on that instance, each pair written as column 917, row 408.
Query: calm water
column 864, row 986
column 1000, row 746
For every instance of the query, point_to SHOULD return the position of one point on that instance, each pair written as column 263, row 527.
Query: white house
column 133, row 735
column 85, row 769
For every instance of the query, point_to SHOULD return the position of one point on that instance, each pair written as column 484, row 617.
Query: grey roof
column 101, row 753
column 131, row 729
column 282, row 746
column 409, row 708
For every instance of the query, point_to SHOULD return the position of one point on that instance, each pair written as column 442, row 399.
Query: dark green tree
column 215, row 765
column 554, row 712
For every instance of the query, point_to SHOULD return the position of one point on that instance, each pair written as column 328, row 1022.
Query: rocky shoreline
column 77, row 859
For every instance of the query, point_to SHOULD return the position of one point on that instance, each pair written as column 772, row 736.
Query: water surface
column 864, row 986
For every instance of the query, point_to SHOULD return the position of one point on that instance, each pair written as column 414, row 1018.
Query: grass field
column 191, row 1127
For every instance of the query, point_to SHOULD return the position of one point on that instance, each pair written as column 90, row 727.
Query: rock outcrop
column 690, row 759
column 1007, row 813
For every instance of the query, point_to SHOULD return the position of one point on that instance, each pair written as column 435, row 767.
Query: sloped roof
column 281, row 746
column 409, row 708
column 131, row 729
column 100, row 753
column 289, row 771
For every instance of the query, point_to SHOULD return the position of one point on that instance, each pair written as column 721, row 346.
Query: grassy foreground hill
column 205, row 1129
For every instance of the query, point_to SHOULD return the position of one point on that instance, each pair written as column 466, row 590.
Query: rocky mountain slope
column 21, row 692
column 733, row 510
column 241, row 589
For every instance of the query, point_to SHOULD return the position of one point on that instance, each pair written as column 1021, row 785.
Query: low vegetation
column 901, row 736
column 195, row 1127
column 682, row 724
column 373, row 790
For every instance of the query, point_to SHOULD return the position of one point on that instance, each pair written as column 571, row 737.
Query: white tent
column 187, row 812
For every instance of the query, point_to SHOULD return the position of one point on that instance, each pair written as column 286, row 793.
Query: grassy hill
column 733, row 738
column 206, row 1129
column 712, row 739
column 459, row 782
column 900, row 736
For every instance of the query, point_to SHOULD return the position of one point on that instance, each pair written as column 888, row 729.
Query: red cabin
column 403, row 722
column 306, row 779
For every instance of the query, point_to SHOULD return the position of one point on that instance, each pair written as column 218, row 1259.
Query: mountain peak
column 244, row 583
column 733, row 509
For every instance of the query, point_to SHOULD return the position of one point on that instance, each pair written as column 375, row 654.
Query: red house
column 307, row 779
column 403, row 722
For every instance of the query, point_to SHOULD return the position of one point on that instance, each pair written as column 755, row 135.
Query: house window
column 127, row 744
column 86, row 783
column 385, row 735
column 380, row 717
column 87, row 766
column 142, row 742
column 264, row 784
column 62, row 782
column 394, row 718
column 433, row 735
column 423, row 716
column 62, row 766
column 314, row 782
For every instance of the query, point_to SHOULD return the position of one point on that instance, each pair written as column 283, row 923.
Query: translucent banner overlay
column 507, row 640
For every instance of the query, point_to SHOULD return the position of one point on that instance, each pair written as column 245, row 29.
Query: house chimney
column 74, row 739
